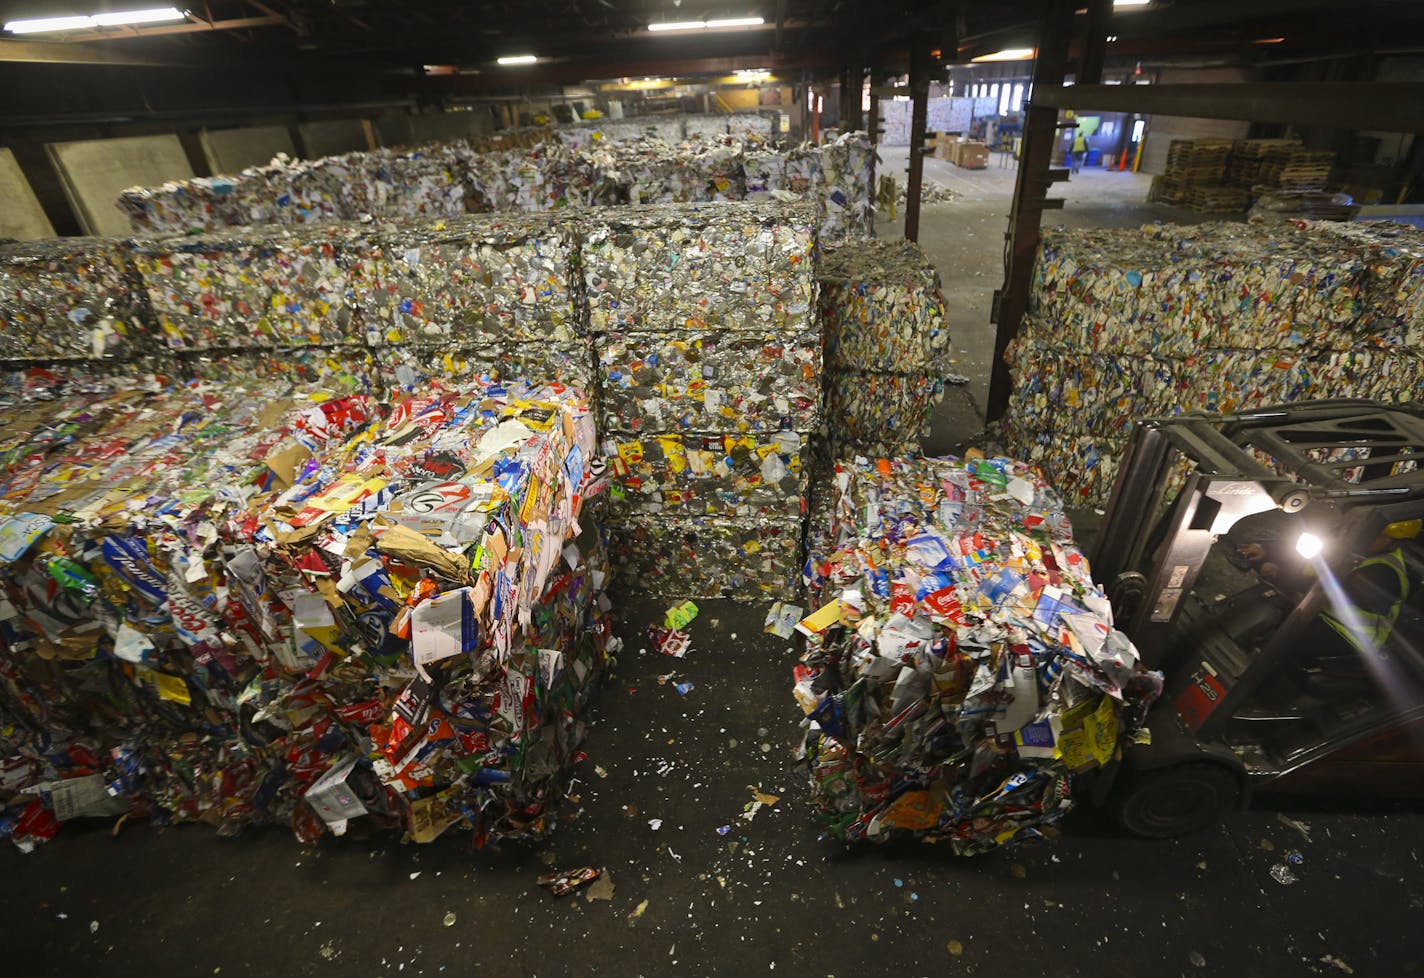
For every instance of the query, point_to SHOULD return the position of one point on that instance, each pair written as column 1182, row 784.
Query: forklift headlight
column 1308, row 545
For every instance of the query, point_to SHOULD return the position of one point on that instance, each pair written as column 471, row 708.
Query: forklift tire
column 1177, row 800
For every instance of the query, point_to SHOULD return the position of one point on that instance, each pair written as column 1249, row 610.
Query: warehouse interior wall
column 1161, row 130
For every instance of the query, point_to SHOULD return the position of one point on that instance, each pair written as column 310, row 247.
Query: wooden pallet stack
column 1192, row 163
column 1250, row 156
column 1216, row 199
column 1306, row 171
column 1222, row 176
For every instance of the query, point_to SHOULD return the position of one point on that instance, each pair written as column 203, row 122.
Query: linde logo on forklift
column 1202, row 696
column 1271, row 565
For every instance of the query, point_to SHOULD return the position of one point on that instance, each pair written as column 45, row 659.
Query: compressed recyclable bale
column 844, row 198
column 476, row 280
column 739, row 267
column 710, row 381
column 707, row 557
column 764, row 170
column 882, row 308
column 70, row 298
column 746, row 476
column 556, row 365
column 961, row 665
column 1132, row 323
column 879, row 412
column 253, row 287
column 303, row 610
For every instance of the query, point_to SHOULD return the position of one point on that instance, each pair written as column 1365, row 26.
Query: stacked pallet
column 1303, row 172
column 1192, row 163
column 1216, row 199
column 1250, row 156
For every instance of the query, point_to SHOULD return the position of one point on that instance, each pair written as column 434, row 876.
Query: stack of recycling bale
column 232, row 603
column 961, row 666
column 464, row 297
column 476, row 295
column 253, row 288
column 887, row 341
column 586, row 169
column 69, row 298
column 1132, row 323
column 709, row 364
column 846, row 210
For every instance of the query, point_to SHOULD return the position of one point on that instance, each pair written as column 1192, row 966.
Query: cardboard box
column 971, row 155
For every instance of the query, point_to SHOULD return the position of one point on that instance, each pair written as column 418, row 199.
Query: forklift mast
column 1349, row 467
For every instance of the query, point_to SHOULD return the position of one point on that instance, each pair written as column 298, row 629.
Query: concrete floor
column 767, row 897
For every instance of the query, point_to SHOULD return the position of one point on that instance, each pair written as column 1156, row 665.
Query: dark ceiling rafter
column 581, row 39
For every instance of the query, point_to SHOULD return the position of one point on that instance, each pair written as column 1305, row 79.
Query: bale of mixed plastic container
column 709, row 364
column 1130, row 323
column 232, row 603
column 961, row 665
column 844, row 194
column 887, row 344
column 70, row 298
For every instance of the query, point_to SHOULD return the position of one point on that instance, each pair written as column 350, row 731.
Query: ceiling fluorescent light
column 1131, row 3
column 118, row 18
column 698, row 25
column 44, row 24
column 517, row 59
column 1008, row 54
column 153, row 15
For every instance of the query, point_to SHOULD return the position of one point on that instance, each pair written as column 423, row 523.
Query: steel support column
column 919, row 112
column 1030, row 193
column 1095, row 43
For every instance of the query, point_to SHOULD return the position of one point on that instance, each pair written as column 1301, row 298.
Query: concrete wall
column 21, row 215
column 95, row 171
column 1162, row 129
column 433, row 126
column 231, row 150
column 334, row 137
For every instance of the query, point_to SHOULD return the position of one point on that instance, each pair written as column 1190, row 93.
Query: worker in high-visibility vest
column 1378, row 588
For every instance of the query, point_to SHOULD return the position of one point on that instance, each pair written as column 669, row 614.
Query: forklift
column 1233, row 551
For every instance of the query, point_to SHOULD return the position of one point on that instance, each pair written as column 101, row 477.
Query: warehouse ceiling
column 575, row 40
